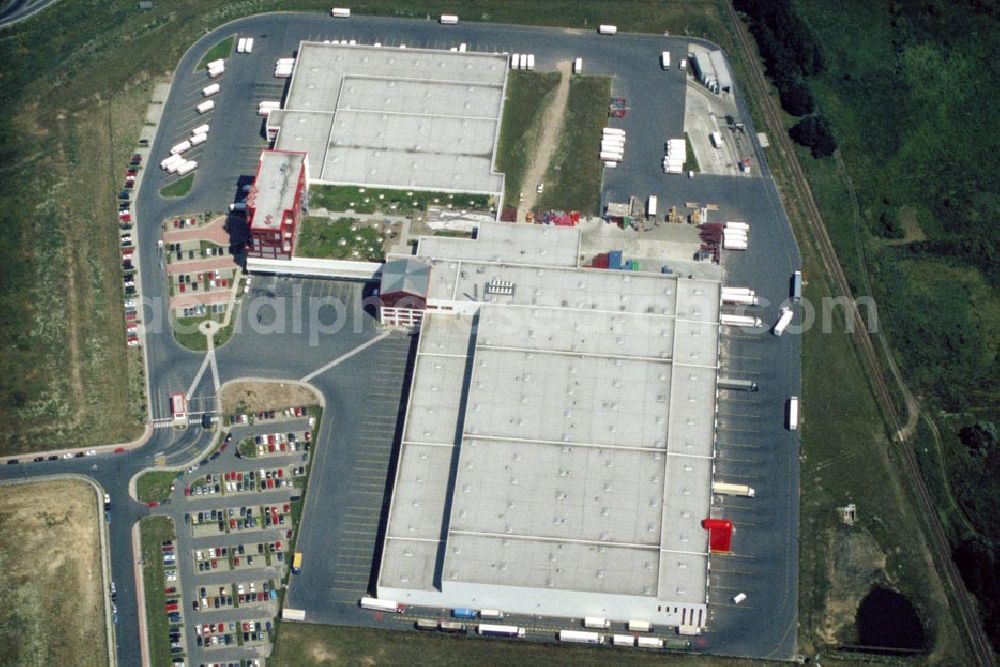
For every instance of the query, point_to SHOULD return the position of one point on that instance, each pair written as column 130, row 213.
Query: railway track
column 813, row 220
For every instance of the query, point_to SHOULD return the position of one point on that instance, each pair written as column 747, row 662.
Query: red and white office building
column 275, row 202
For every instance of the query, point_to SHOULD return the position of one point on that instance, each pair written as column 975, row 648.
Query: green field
column 911, row 206
column 528, row 93
column 388, row 202
column 300, row 644
column 221, row 50
column 154, row 485
column 575, row 171
column 178, row 188
column 321, row 238
column 154, row 531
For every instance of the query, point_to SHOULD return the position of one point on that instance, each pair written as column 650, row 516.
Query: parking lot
column 233, row 551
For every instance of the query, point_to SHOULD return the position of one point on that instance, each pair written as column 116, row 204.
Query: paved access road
column 277, row 338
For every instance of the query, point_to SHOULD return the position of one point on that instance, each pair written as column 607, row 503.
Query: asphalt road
column 16, row 11
column 344, row 517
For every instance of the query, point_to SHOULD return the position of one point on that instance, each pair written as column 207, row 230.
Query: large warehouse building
column 557, row 454
column 395, row 118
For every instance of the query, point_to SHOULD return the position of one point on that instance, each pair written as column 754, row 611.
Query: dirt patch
column 552, row 122
column 262, row 395
column 857, row 562
column 320, row 653
column 52, row 600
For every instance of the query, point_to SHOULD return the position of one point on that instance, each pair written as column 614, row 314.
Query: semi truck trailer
column 740, row 299
column 783, row 321
column 742, row 385
column 727, row 489
column 728, row 319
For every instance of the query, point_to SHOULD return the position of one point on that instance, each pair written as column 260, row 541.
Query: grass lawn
column 186, row 331
column 221, row 50
column 155, row 530
column 52, row 599
column 387, row 201
column 154, row 485
column 321, row 238
column 300, row 644
column 575, row 171
column 178, row 188
column 528, row 93
column 691, row 164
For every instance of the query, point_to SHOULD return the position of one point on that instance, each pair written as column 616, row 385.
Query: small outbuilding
column 403, row 292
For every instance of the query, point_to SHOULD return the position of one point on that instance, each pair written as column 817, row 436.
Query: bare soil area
column 254, row 396
column 52, row 597
column 552, row 122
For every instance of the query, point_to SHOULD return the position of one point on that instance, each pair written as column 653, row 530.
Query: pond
column 887, row 619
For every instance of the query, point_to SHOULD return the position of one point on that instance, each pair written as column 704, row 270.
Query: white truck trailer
column 577, row 65
column 179, row 149
column 201, row 129
column 580, row 637
column 727, row 489
column 651, row 206
column 665, row 60
column 515, row 61
column 341, row 12
column 793, row 413
column 783, row 321
column 531, row 62
column 740, row 299
column 206, row 106
column 606, row 29
column 198, row 139
column 597, row 623
column 731, row 320
column 187, row 167
column 448, row 19
column 210, row 90
column 716, row 138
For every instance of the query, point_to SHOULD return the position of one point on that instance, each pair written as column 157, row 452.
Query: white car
column 68, row 455
column 739, row 598
column 130, row 303
column 91, row 452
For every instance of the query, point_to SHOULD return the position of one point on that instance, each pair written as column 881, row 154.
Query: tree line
column 791, row 55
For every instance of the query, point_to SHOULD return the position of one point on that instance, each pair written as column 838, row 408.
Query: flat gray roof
column 396, row 118
column 275, row 186
column 515, row 243
column 559, row 439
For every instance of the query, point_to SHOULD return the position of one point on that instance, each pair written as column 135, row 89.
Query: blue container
column 464, row 613
column 615, row 259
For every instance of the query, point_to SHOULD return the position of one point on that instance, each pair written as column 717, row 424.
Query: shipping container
column 577, row 65
column 607, row 29
column 596, row 622
column 793, row 413
column 494, row 614
column 341, row 12
column 464, row 613
column 448, row 19
column 615, row 259
column 579, row 637
column 206, row 106
column 623, row 640
column 210, row 90
column 649, row 642
column 640, row 626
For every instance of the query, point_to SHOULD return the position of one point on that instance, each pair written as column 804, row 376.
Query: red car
column 170, row 590
column 152, row 503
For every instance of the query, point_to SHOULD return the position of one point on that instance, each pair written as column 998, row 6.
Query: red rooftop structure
column 720, row 535
column 274, row 205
